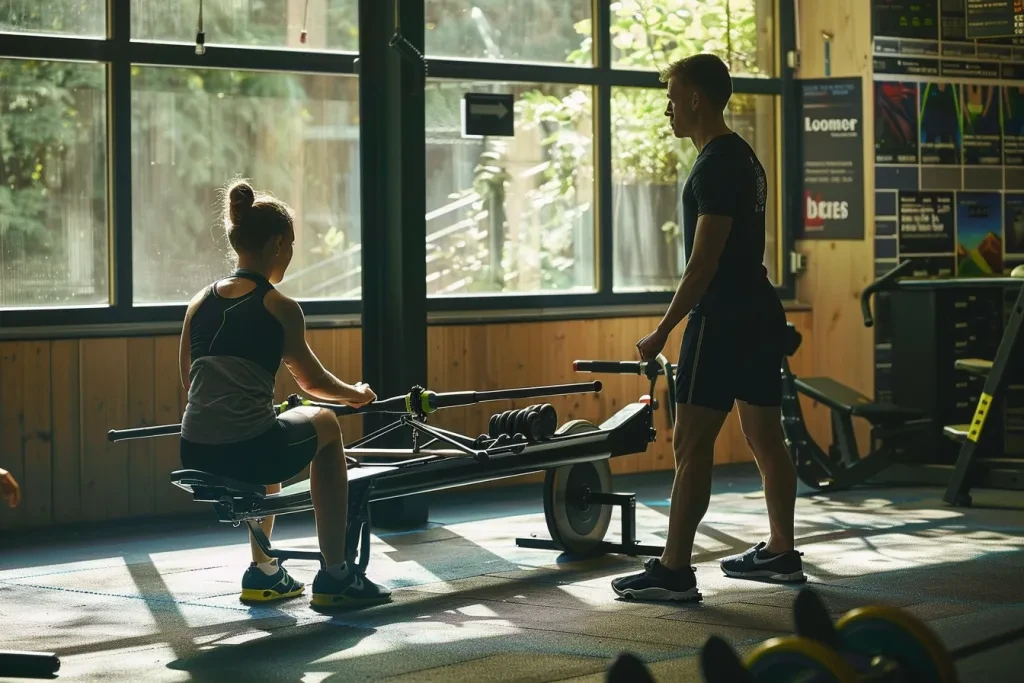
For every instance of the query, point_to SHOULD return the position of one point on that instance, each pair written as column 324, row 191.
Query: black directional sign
column 488, row 114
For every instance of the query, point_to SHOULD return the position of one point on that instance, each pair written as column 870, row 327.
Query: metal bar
column 605, row 228
column 119, row 164
column 241, row 58
column 789, row 149
column 63, row 48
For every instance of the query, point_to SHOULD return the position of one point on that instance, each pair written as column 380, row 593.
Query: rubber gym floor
column 159, row 601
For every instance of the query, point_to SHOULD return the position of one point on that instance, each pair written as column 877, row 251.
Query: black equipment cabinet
column 930, row 325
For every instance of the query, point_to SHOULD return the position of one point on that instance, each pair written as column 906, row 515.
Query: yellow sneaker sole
column 254, row 595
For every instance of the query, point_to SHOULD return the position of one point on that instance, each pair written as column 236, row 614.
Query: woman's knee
column 328, row 431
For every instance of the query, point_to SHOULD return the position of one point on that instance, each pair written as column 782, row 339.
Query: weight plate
column 881, row 631
column 530, row 430
column 519, row 425
column 492, row 425
column 791, row 658
column 547, row 422
column 576, row 525
column 504, row 420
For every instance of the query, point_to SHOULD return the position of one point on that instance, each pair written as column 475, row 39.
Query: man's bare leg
column 670, row 577
column 776, row 559
column 693, row 443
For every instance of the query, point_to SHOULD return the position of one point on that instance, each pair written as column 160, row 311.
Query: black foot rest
column 975, row 366
column 957, row 433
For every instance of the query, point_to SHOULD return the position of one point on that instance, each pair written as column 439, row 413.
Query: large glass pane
column 329, row 24
column 61, row 17
column 651, row 34
column 511, row 215
column 53, row 197
column 296, row 136
column 519, row 31
column 649, row 169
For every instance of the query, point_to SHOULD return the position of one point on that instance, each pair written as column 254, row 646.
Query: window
column 649, row 168
column 296, row 136
column 651, row 34
column 330, row 24
column 511, row 215
column 504, row 30
column 61, row 17
column 53, row 161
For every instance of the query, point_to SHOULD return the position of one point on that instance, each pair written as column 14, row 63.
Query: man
column 732, row 345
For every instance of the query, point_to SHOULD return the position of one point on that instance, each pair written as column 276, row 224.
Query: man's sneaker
column 355, row 590
column 259, row 587
column 758, row 564
column 656, row 582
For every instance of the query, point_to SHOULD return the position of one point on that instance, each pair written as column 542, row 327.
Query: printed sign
column 833, row 158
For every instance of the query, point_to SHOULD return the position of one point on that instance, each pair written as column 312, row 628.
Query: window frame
column 118, row 52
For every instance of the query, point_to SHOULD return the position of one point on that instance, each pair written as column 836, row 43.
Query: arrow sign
column 487, row 114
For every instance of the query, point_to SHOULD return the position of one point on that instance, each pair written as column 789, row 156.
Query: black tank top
column 236, row 346
column 241, row 327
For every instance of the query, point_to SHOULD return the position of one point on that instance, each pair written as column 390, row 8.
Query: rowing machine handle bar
column 461, row 398
column 613, row 367
column 880, row 285
column 143, row 432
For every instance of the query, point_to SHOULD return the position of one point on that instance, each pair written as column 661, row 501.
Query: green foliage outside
column 42, row 131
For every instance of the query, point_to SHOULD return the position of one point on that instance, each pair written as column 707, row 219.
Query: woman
column 236, row 333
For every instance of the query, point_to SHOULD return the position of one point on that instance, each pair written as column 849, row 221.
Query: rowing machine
column 575, row 447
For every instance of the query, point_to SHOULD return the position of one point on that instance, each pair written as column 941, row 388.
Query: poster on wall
column 1013, row 125
column 979, row 234
column 833, row 158
column 940, row 124
column 896, row 123
column 925, row 223
column 982, row 138
column 1014, row 224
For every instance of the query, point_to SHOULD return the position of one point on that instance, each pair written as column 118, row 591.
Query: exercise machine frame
column 382, row 474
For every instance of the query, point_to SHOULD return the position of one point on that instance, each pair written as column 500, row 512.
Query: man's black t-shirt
column 728, row 180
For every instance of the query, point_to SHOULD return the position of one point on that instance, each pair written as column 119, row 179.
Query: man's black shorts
column 721, row 361
column 273, row 457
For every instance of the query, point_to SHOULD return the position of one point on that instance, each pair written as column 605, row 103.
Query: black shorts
column 273, row 457
column 721, row 361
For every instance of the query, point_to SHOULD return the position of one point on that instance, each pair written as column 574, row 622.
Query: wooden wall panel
column 142, row 413
column 36, row 436
column 11, row 387
column 103, row 366
column 65, row 400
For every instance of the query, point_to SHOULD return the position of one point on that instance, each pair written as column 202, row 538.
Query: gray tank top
column 236, row 346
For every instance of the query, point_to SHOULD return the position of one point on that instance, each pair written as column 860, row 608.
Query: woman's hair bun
column 240, row 199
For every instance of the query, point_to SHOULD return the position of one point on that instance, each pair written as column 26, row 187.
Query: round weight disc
column 576, row 526
column 519, row 425
column 492, row 425
column 888, row 632
column 503, row 421
column 791, row 658
column 547, row 422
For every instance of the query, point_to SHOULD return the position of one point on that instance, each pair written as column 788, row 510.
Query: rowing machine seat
column 210, row 487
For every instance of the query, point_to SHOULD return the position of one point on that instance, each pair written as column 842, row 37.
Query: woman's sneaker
column 758, row 564
column 258, row 586
column 657, row 582
column 355, row 590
